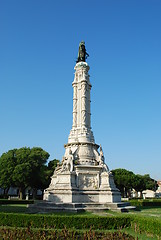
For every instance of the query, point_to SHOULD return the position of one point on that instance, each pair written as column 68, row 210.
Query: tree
column 52, row 165
column 123, row 180
column 149, row 182
column 25, row 166
column 38, row 159
column 21, row 177
column 7, row 164
column 139, row 184
column 126, row 180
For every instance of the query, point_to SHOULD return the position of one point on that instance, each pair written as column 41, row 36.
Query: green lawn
column 142, row 211
column 148, row 212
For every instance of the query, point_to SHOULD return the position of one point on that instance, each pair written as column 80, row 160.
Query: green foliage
column 7, row 164
column 148, row 225
column 21, row 175
column 144, row 182
column 52, row 165
column 126, row 180
column 50, row 170
column 149, row 182
column 23, row 168
column 59, row 222
column 26, row 167
column 139, row 183
column 123, row 179
column 146, row 202
column 138, row 224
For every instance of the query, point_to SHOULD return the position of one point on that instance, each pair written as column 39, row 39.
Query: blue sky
column 38, row 49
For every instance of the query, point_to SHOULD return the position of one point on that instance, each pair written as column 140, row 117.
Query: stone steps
column 45, row 206
column 121, row 206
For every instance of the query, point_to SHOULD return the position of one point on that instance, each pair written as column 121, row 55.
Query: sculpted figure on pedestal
column 102, row 160
column 82, row 54
column 68, row 162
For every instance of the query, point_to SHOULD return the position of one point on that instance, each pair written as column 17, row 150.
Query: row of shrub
column 61, row 221
column 15, row 201
column 41, row 234
column 145, row 224
column 146, row 202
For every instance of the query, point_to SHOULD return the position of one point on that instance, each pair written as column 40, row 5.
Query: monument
column 82, row 180
column 82, row 176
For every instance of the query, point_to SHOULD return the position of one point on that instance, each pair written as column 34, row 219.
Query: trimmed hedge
column 146, row 202
column 138, row 224
column 150, row 225
column 59, row 222
column 6, row 201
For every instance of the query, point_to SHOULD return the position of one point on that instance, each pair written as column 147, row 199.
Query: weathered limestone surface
column 82, row 176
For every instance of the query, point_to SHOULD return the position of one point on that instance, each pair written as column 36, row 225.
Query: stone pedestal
column 84, row 185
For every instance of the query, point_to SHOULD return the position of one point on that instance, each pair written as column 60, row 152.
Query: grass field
column 149, row 211
column 142, row 211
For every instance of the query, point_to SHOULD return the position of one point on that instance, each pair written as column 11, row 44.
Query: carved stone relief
column 89, row 181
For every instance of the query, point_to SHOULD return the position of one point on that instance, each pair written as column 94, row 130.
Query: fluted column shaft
column 81, row 128
column 74, row 105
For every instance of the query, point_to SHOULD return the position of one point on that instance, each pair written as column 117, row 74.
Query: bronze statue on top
column 82, row 54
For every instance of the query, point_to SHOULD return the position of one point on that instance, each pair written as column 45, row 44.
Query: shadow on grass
column 22, row 208
column 15, row 208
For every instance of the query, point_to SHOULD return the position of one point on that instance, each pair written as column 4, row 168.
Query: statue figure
column 102, row 160
column 68, row 162
column 101, row 155
column 82, row 54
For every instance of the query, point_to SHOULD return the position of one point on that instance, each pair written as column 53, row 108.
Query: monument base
column 76, row 196
column 86, row 184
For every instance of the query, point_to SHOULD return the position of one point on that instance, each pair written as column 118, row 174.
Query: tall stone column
column 81, row 128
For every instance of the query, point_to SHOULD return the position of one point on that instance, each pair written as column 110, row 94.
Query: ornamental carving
column 83, row 103
column 74, row 105
column 86, row 151
column 83, row 118
column 88, row 181
column 75, row 92
column 84, row 88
